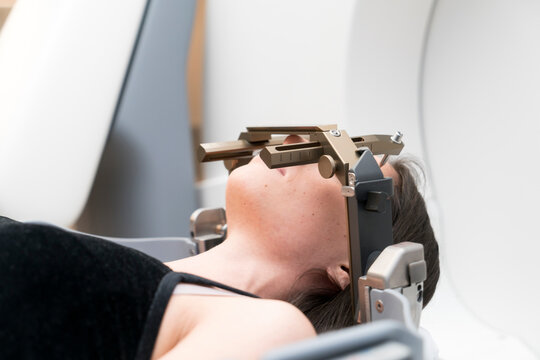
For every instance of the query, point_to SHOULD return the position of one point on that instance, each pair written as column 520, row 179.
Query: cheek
column 333, row 211
column 325, row 215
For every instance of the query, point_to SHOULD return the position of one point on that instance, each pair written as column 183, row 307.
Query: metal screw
column 351, row 176
column 384, row 160
column 349, row 189
column 335, row 132
column 221, row 229
column 379, row 305
column 396, row 138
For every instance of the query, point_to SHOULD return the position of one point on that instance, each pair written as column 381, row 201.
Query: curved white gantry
column 62, row 65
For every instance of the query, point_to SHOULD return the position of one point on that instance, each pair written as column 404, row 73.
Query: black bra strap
column 159, row 304
column 197, row 280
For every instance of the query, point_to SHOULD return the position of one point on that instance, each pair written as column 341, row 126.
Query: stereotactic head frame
column 366, row 190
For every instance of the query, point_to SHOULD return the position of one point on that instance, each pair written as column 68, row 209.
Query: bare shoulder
column 240, row 327
column 274, row 320
column 278, row 314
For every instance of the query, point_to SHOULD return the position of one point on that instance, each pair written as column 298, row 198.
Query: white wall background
column 271, row 63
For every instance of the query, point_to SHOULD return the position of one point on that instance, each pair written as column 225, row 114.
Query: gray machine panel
column 145, row 182
column 385, row 339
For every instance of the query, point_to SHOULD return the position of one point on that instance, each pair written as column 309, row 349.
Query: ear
column 340, row 274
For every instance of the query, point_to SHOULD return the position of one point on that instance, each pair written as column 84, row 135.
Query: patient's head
column 300, row 218
column 329, row 308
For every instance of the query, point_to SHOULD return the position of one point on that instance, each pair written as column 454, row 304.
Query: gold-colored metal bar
column 379, row 144
column 276, row 155
column 292, row 129
column 262, row 133
column 292, row 154
column 233, row 149
column 308, row 153
column 340, row 147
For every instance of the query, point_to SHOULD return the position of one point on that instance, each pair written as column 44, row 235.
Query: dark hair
column 329, row 307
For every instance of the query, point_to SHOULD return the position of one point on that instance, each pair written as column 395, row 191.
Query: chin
column 256, row 197
column 244, row 191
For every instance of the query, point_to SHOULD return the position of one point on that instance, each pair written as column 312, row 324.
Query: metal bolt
column 384, row 160
column 335, row 132
column 327, row 166
column 221, row 229
column 349, row 190
column 396, row 138
column 379, row 305
column 351, row 176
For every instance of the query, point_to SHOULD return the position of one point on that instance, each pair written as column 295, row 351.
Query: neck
column 239, row 262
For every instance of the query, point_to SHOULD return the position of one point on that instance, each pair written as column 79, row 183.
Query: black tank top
column 65, row 295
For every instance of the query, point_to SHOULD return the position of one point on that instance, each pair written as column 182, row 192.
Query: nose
column 293, row 139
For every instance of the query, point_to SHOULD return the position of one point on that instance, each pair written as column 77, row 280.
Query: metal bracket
column 276, row 155
column 208, row 228
column 390, row 304
column 399, row 269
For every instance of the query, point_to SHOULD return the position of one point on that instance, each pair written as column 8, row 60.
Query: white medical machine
column 94, row 127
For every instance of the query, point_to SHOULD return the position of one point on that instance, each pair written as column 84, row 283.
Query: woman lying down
column 281, row 276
